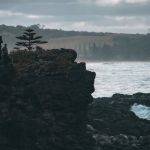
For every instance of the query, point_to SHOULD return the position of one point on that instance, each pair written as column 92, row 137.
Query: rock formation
column 115, row 127
column 44, row 105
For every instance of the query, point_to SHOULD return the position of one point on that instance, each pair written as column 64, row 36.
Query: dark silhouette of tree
column 5, row 57
column 1, row 41
column 29, row 39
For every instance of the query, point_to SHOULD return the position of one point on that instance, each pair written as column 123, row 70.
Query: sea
column 124, row 78
column 120, row 77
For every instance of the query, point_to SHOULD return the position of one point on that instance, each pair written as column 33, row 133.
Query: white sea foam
column 141, row 111
column 123, row 77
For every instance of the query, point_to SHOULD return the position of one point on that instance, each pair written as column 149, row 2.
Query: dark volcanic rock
column 115, row 127
column 46, row 104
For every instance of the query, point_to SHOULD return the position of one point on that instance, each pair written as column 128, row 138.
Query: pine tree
column 29, row 39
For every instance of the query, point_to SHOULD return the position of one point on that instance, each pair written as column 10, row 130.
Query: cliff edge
column 43, row 103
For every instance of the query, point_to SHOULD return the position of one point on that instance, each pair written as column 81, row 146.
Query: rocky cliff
column 46, row 104
column 44, row 101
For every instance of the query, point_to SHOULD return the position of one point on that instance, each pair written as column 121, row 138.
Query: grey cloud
column 35, row 1
column 69, row 13
column 78, row 9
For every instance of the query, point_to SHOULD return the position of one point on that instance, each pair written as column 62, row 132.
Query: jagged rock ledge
column 43, row 105
column 114, row 126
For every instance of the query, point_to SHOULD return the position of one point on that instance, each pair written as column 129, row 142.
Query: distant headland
column 90, row 46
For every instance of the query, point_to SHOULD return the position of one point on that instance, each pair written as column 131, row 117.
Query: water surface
column 141, row 111
column 120, row 77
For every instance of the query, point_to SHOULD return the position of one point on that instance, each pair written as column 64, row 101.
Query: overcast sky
column 126, row 16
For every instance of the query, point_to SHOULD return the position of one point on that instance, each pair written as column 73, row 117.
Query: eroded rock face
column 46, row 106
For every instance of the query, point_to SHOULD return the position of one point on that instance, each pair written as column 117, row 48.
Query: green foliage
column 21, row 57
column 29, row 39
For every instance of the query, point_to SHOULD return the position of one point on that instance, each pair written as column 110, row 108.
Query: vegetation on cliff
column 44, row 104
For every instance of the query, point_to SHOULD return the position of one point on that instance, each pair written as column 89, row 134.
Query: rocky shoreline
column 114, row 126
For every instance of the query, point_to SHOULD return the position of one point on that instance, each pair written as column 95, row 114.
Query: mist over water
column 120, row 77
